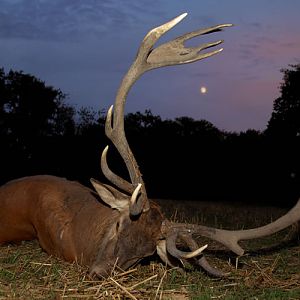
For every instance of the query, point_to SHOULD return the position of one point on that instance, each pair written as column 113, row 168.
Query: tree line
column 40, row 133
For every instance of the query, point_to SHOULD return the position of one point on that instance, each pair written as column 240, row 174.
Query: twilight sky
column 84, row 47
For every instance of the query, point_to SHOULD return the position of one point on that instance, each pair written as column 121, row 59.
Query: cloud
column 68, row 19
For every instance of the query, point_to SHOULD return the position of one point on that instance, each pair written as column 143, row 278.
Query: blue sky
column 85, row 47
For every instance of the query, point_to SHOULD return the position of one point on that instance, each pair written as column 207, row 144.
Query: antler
column 231, row 238
column 170, row 53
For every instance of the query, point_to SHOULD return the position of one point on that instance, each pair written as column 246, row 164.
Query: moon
column 203, row 89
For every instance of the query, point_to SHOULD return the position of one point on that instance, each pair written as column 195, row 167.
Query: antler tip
column 183, row 15
column 104, row 153
column 174, row 22
column 196, row 252
column 221, row 26
column 110, row 108
column 135, row 194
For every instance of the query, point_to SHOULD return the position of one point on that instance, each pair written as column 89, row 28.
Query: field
column 266, row 272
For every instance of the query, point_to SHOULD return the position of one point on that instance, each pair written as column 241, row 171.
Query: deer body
column 71, row 222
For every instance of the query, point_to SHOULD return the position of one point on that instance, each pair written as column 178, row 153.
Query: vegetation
column 285, row 119
column 26, row 272
column 41, row 134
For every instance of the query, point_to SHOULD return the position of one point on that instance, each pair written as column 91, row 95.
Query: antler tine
column 147, row 58
column 156, row 33
column 172, row 249
column 203, row 31
column 231, row 238
column 202, row 262
column 114, row 178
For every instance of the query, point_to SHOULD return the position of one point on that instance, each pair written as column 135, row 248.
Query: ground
column 26, row 272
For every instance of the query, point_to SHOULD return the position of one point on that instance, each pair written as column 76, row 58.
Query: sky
column 84, row 48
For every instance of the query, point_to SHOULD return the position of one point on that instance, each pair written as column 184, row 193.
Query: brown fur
column 71, row 222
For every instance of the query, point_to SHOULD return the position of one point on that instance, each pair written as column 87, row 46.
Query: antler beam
column 148, row 58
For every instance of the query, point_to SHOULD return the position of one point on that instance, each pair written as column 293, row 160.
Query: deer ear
column 111, row 196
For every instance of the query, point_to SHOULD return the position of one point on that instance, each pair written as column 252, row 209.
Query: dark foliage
column 33, row 120
column 285, row 119
column 283, row 132
column 182, row 158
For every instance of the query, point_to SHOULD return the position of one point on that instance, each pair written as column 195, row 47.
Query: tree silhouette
column 283, row 135
column 89, row 121
column 29, row 107
column 181, row 158
column 29, row 112
column 285, row 119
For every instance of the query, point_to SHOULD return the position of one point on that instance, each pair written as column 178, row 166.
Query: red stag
column 117, row 226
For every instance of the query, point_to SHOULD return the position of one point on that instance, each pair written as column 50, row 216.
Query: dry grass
column 26, row 272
